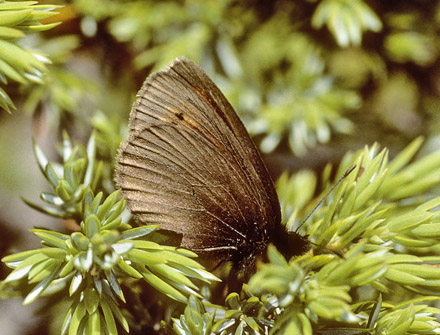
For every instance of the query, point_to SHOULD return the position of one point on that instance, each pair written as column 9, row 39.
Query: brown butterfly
column 190, row 165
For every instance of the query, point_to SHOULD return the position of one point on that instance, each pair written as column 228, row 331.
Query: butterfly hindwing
column 190, row 165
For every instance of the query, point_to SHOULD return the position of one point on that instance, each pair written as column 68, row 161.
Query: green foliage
column 242, row 314
column 93, row 261
column 63, row 92
column 69, row 180
column 383, row 220
column 16, row 63
column 410, row 46
column 388, row 245
column 195, row 320
column 276, row 78
column 290, row 198
column 410, row 39
column 276, row 70
column 299, row 102
column 346, row 20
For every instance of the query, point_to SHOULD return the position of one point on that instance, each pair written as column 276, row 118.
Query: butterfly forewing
column 190, row 165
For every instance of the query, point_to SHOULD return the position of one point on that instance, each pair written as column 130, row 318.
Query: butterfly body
column 190, row 165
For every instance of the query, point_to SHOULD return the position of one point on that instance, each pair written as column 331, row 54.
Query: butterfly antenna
column 346, row 173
